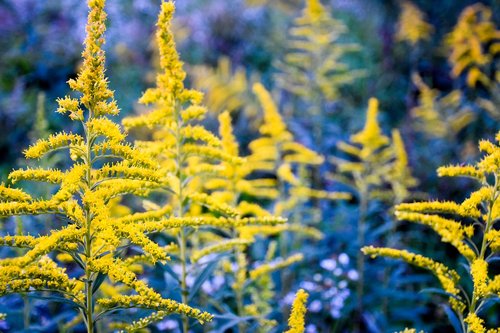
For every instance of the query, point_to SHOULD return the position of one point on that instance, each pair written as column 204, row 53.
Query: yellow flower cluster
column 412, row 26
column 439, row 116
column 315, row 63
column 474, row 45
column 275, row 265
column 377, row 160
column 166, row 305
column 226, row 88
column 296, row 321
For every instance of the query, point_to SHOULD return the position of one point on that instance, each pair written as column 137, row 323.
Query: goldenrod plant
column 188, row 154
column 103, row 167
column 440, row 116
column 270, row 173
column 226, row 88
column 296, row 322
column 277, row 153
column 234, row 187
column 471, row 228
column 377, row 169
column 314, row 67
column 412, row 26
column 474, row 46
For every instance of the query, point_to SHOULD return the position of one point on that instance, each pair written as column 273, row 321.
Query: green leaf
column 452, row 317
column 205, row 274
column 98, row 281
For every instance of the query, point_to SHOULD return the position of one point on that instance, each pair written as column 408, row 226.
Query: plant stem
column 239, row 305
column 26, row 312
column 180, row 211
column 184, row 291
column 89, row 284
column 360, row 261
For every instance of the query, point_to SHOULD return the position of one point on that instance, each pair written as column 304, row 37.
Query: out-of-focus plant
column 188, row 154
column 103, row 167
column 225, row 88
column 412, row 26
column 288, row 6
column 474, row 46
column 440, row 116
column 314, row 67
column 377, row 169
column 270, row 173
column 471, row 228
column 287, row 164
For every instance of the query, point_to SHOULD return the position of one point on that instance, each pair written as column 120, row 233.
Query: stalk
column 242, row 327
column 360, row 260
column 180, row 209
column 89, row 306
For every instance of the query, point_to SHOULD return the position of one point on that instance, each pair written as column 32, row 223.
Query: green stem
column 184, row 290
column 180, row 211
column 242, row 328
column 89, row 284
column 26, row 313
column 360, row 260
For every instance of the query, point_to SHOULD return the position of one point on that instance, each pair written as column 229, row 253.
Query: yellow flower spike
column 446, row 207
column 493, row 236
column 52, row 176
column 314, row 9
column 371, row 136
column 220, row 247
column 296, row 321
column 412, row 26
column 439, row 116
column 55, row 141
column 229, row 142
column 450, row 231
column 154, row 302
column 469, row 207
column 455, row 170
column 479, row 273
column 91, row 81
column 13, row 194
column 275, row 265
column 273, row 123
column 314, row 79
column 104, row 127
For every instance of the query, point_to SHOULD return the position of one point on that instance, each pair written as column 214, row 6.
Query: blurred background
column 228, row 45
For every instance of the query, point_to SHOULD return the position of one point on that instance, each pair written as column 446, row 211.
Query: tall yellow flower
column 102, row 168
